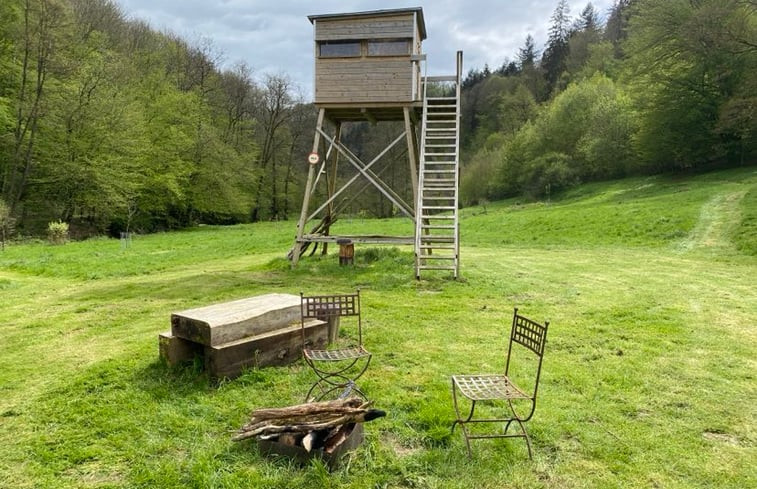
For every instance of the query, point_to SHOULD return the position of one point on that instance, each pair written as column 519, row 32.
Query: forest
column 109, row 125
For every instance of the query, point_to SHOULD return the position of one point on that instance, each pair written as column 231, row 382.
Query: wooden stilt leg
column 308, row 188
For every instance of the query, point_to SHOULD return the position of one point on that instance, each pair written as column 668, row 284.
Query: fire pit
column 327, row 430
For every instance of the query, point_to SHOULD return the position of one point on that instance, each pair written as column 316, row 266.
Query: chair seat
column 488, row 387
column 336, row 355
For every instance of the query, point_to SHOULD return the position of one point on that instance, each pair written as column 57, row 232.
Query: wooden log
column 274, row 348
column 308, row 409
column 307, row 418
column 230, row 321
column 174, row 350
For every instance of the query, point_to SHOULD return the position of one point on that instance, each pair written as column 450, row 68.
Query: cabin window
column 339, row 49
column 389, row 48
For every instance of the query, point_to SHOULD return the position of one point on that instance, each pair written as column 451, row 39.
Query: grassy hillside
column 648, row 378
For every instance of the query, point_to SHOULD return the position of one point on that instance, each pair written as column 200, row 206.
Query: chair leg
column 460, row 421
column 528, row 440
column 346, row 389
column 469, row 419
column 329, row 382
column 522, row 428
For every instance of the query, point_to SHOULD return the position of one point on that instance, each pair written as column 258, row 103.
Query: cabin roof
column 376, row 13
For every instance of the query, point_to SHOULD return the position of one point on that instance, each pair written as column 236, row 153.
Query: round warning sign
column 313, row 158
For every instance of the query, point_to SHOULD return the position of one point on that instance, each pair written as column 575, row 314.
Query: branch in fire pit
column 307, row 418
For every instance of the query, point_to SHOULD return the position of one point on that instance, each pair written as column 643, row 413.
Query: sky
column 275, row 36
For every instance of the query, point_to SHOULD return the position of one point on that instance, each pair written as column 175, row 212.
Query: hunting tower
column 369, row 66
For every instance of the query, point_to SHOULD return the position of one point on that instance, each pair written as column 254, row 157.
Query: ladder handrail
column 421, row 165
column 440, row 159
column 459, row 61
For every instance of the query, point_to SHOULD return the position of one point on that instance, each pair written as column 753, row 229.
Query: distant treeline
column 658, row 87
column 111, row 126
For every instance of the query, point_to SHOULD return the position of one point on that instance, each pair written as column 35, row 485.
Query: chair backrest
column 532, row 336
column 329, row 307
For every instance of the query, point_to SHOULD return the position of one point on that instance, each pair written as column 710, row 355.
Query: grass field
column 650, row 285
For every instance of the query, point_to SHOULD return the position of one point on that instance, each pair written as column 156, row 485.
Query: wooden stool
column 346, row 252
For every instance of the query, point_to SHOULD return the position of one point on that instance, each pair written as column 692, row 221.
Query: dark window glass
column 339, row 49
column 388, row 48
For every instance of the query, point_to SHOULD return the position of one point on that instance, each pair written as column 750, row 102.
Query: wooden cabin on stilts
column 369, row 66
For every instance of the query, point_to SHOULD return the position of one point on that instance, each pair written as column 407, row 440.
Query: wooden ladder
column 437, row 232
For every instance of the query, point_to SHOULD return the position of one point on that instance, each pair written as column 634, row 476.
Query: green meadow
column 649, row 379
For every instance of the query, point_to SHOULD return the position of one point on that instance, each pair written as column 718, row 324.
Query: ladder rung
column 426, row 226
column 439, row 216
column 439, row 207
column 437, row 257
column 429, row 247
column 437, row 242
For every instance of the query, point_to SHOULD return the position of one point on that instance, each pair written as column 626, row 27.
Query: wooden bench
column 254, row 332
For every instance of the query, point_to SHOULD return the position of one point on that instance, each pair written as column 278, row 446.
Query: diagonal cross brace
column 367, row 173
column 375, row 179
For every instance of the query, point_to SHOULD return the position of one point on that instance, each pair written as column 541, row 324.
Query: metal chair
column 340, row 365
column 499, row 389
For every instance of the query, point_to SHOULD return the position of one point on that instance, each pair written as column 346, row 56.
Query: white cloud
column 276, row 37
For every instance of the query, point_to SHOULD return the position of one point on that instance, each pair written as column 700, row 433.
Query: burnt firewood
column 318, row 417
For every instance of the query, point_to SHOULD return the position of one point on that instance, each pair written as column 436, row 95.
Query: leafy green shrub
column 57, row 232
column 548, row 173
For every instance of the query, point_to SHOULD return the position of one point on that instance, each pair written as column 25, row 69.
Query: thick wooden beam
column 230, row 321
column 308, row 188
column 412, row 156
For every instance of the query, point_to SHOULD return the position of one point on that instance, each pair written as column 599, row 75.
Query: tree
column 692, row 67
column 527, row 54
column 588, row 21
column 42, row 21
column 616, row 28
column 6, row 223
column 8, row 18
column 553, row 60
column 274, row 111
column 516, row 108
column 586, row 34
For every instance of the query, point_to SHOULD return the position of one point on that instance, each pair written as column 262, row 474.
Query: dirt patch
column 399, row 448
column 721, row 437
